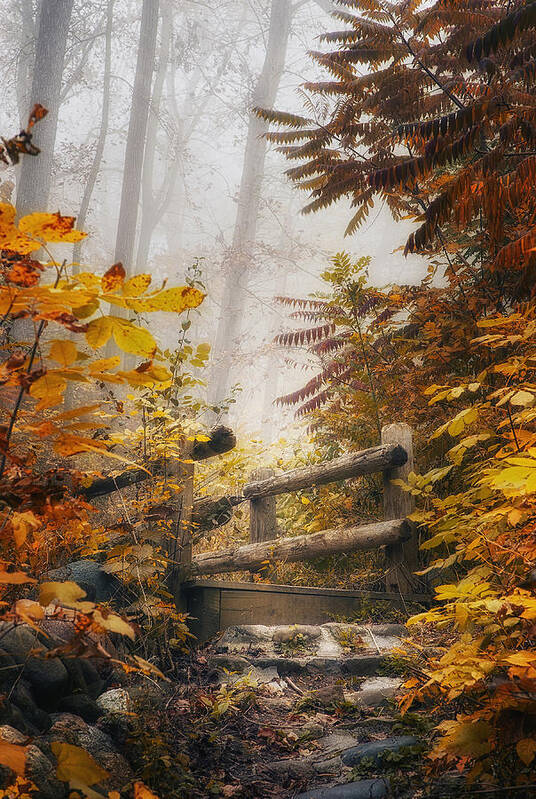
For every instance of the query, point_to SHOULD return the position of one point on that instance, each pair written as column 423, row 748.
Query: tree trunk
column 25, row 60
column 103, row 130
column 137, row 130
column 238, row 260
column 150, row 209
column 36, row 173
column 252, row 557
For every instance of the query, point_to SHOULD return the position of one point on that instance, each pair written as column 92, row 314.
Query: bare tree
column 36, row 173
column 240, row 254
column 137, row 131
column 103, row 128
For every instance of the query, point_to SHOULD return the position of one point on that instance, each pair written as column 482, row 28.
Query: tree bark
column 262, row 512
column 238, row 261
column 36, row 173
column 368, row 461
column 137, row 130
column 251, row 557
column 103, row 131
column 25, row 60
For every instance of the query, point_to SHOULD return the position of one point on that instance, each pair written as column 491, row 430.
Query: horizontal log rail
column 367, row 461
column 221, row 440
column 251, row 557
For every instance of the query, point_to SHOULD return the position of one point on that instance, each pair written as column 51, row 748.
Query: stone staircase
column 327, row 667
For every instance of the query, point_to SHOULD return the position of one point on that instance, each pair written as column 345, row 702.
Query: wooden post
column 262, row 513
column 180, row 549
column 402, row 558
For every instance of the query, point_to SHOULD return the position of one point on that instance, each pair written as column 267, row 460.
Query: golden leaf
column 63, row 351
column 13, row 756
column 48, row 390
column 141, row 791
column 174, row 300
column 67, row 593
column 99, row 331
column 114, row 624
column 22, row 524
column 15, row 578
column 76, row 765
column 132, row 339
column 136, row 285
column 51, row 227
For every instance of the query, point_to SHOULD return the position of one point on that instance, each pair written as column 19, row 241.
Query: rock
column 329, row 696
column 11, row 716
column 324, row 666
column 72, row 729
column 49, row 677
column 230, row 663
column 116, row 700
column 338, row 741
column 291, row 769
column 243, row 637
column 363, row 789
column 374, row 692
column 81, row 705
column 331, row 767
column 38, row 767
column 22, row 697
column 83, row 677
column 363, row 665
column 283, row 665
column 89, row 575
column 311, row 730
column 375, row 750
column 286, row 634
column 276, row 703
column 9, row 668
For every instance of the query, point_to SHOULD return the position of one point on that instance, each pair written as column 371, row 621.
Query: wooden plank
column 262, row 512
column 194, row 586
column 251, row 557
column 402, row 557
column 375, row 459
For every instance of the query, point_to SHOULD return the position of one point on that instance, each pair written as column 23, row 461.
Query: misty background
column 151, row 142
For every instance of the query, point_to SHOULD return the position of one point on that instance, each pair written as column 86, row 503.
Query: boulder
column 363, row 789
column 81, row 705
column 329, row 695
column 305, row 633
column 39, row 768
column 48, row 678
column 375, row 750
column 89, row 575
column 21, row 696
column 233, row 663
column 374, row 692
column 116, row 700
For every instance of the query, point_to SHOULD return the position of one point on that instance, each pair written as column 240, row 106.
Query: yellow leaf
column 89, row 280
column 114, row 623
column 136, row 285
column 48, row 390
column 67, row 593
column 13, row 756
column 76, row 765
column 63, row 351
column 80, row 411
column 10, row 237
column 105, row 364
column 130, row 338
column 525, row 658
column 523, row 398
column 526, row 749
column 174, row 300
column 15, row 578
column 22, row 524
column 51, row 227
column 141, row 791
column 99, row 331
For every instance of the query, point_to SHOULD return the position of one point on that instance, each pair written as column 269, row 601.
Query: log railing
column 393, row 458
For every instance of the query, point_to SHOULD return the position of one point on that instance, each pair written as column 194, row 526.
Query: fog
column 190, row 198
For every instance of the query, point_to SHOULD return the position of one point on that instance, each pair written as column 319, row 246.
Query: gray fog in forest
column 151, row 141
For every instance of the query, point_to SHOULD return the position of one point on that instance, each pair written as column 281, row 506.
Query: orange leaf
column 141, row 791
column 113, row 278
column 13, row 756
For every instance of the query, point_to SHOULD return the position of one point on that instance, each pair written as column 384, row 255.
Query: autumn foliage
column 431, row 109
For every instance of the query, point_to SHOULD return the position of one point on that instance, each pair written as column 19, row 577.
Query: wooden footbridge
column 215, row 604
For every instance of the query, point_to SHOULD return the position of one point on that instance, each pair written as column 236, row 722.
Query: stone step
column 332, row 648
